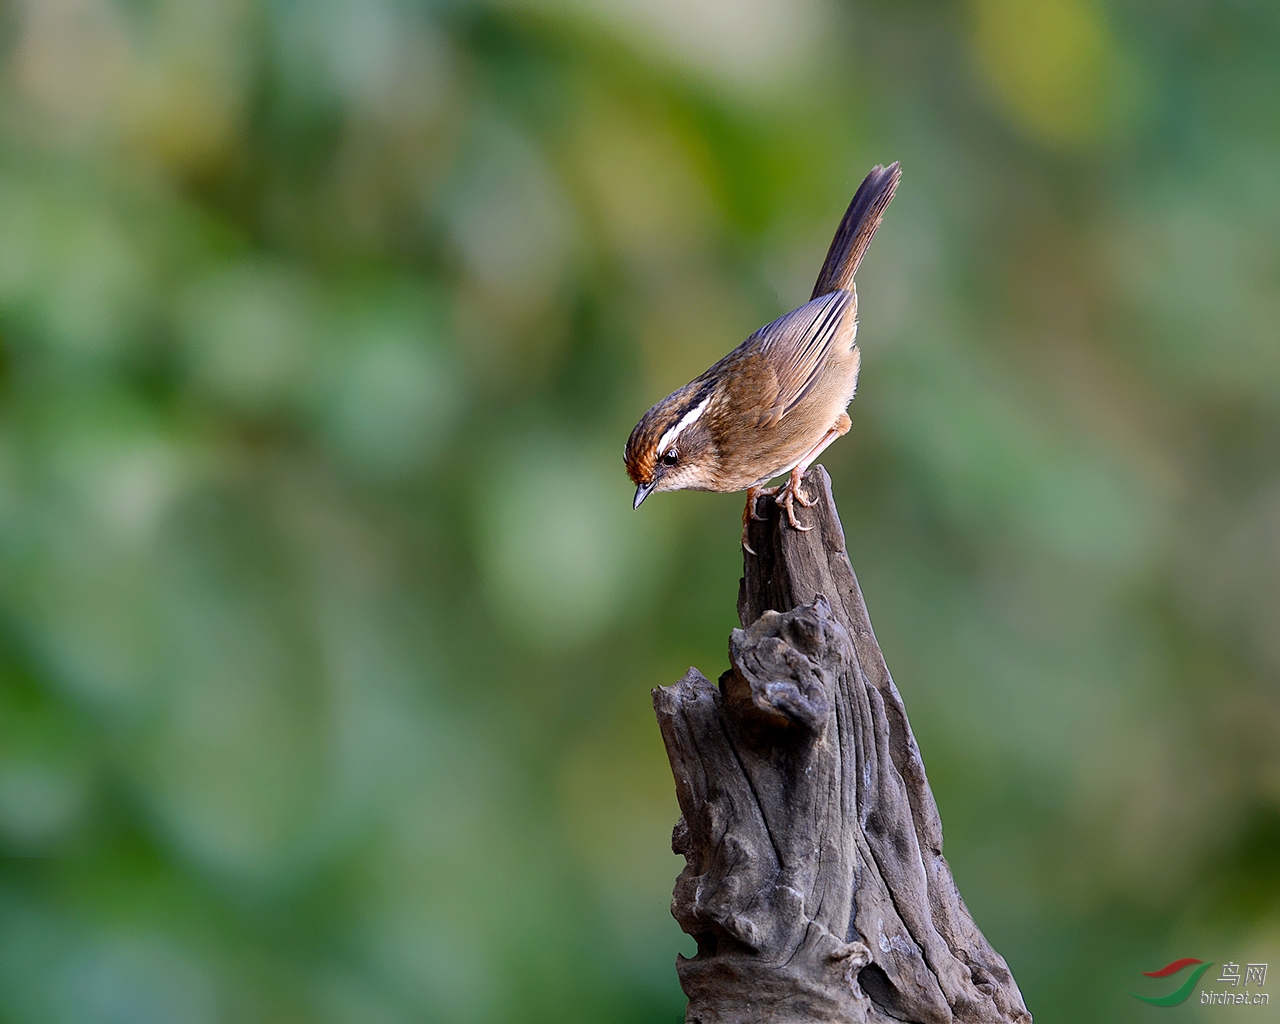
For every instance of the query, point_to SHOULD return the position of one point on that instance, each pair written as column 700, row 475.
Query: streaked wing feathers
column 797, row 346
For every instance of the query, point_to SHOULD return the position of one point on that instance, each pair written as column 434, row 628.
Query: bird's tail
column 857, row 229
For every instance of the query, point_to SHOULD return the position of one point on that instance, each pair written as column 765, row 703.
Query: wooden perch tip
column 814, row 883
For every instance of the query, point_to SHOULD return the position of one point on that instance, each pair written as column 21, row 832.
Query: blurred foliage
column 326, row 627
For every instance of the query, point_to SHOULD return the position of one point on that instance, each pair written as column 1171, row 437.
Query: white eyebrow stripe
column 686, row 420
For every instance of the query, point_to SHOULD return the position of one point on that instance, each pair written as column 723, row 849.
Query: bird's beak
column 642, row 492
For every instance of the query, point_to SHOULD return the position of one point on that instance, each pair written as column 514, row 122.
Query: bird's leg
column 756, row 492
column 841, row 428
column 748, row 514
column 790, row 493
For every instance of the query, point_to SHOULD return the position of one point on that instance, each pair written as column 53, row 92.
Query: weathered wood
column 814, row 883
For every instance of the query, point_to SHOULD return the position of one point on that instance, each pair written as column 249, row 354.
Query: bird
column 773, row 404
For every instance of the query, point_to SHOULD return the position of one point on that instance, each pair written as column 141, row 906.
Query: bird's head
column 672, row 447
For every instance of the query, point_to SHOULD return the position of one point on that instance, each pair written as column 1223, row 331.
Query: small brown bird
column 773, row 404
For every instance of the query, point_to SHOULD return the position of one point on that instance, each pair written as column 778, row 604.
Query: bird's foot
column 787, row 501
column 748, row 514
column 754, row 493
column 789, row 495
column 750, row 511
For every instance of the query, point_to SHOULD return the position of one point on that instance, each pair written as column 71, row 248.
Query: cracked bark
column 814, row 883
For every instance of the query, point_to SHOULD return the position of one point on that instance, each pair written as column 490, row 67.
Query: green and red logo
column 1183, row 991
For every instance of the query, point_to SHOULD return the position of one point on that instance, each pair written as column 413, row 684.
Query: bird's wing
column 796, row 347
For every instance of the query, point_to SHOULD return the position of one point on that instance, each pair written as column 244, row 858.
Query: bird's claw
column 767, row 492
column 791, row 517
column 748, row 514
column 788, row 496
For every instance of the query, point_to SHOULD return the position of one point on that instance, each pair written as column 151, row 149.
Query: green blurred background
column 326, row 627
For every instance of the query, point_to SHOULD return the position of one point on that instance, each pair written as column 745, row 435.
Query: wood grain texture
column 814, row 884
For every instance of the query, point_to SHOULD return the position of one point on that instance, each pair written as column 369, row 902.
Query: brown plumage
column 776, row 401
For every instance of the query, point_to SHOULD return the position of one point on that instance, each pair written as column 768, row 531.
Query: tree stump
column 814, row 883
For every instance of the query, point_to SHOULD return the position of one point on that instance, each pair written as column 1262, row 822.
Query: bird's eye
column 671, row 457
